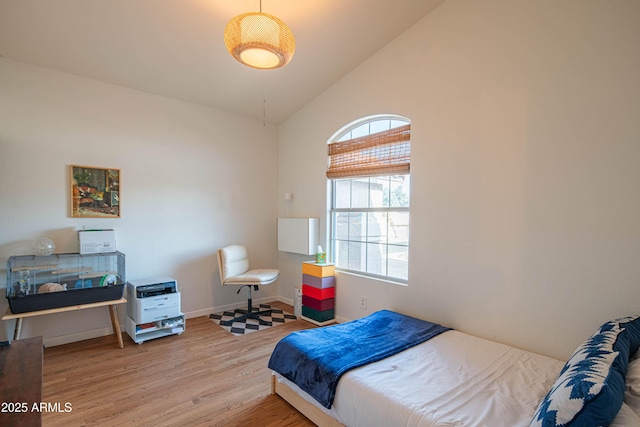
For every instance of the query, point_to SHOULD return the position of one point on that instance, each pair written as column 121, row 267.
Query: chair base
column 245, row 314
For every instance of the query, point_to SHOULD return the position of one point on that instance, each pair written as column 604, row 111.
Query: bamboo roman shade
column 382, row 153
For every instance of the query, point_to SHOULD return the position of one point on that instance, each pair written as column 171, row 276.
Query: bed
column 456, row 379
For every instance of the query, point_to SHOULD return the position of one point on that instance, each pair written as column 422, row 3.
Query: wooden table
column 113, row 312
column 21, row 383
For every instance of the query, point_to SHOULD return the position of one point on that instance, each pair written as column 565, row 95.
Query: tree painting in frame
column 95, row 192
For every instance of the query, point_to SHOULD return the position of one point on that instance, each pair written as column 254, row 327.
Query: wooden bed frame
column 307, row 409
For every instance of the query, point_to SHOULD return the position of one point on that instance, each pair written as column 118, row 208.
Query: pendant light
column 259, row 40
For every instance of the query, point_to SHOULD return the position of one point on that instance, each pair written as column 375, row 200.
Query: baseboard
column 341, row 319
column 80, row 336
column 229, row 307
column 286, row 300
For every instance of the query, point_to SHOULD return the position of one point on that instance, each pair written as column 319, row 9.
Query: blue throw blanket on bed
column 315, row 359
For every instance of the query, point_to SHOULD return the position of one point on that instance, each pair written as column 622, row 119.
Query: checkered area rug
column 278, row 317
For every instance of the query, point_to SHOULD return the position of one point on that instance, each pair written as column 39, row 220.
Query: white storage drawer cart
column 153, row 309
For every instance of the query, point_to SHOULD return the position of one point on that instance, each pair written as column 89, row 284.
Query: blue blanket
column 315, row 359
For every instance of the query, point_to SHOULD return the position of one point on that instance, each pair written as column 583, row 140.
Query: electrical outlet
column 363, row 303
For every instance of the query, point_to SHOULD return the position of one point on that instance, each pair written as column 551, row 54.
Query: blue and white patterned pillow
column 589, row 390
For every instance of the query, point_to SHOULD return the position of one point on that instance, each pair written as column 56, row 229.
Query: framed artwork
column 95, row 192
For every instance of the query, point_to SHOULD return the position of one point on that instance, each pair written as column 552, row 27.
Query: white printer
column 153, row 308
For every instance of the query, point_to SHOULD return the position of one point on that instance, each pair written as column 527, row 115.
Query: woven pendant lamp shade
column 259, row 40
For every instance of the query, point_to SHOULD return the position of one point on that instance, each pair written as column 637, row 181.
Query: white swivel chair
column 233, row 262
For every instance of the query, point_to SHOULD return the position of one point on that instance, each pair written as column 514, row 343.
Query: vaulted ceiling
column 175, row 48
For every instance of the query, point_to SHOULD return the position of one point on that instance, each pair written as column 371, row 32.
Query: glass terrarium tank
column 61, row 280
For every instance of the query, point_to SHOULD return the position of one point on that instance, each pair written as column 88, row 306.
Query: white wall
column 525, row 215
column 193, row 179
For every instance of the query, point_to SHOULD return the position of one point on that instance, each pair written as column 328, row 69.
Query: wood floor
column 204, row 377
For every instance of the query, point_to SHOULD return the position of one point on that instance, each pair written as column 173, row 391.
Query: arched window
column 368, row 165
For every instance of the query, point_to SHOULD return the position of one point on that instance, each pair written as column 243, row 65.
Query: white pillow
column 626, row 418
column 632, row 380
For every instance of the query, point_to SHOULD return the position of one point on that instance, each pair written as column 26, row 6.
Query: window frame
column 333, row 211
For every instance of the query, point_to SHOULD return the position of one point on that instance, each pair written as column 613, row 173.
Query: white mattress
column 454, row 379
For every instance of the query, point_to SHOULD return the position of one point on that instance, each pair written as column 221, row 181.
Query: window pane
column 376, row 259
column 379, row 189
column 399, row 191
column 399, row 228
column 341, row 225
column 398, row 262
column 360, row 193
column 377, row 227
column 357, row 256
column 397, row 124
column 361, row 130
column 341, row 256
column 342, row 193
column 357, row 226
column 380, row 125
column 345, row 137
